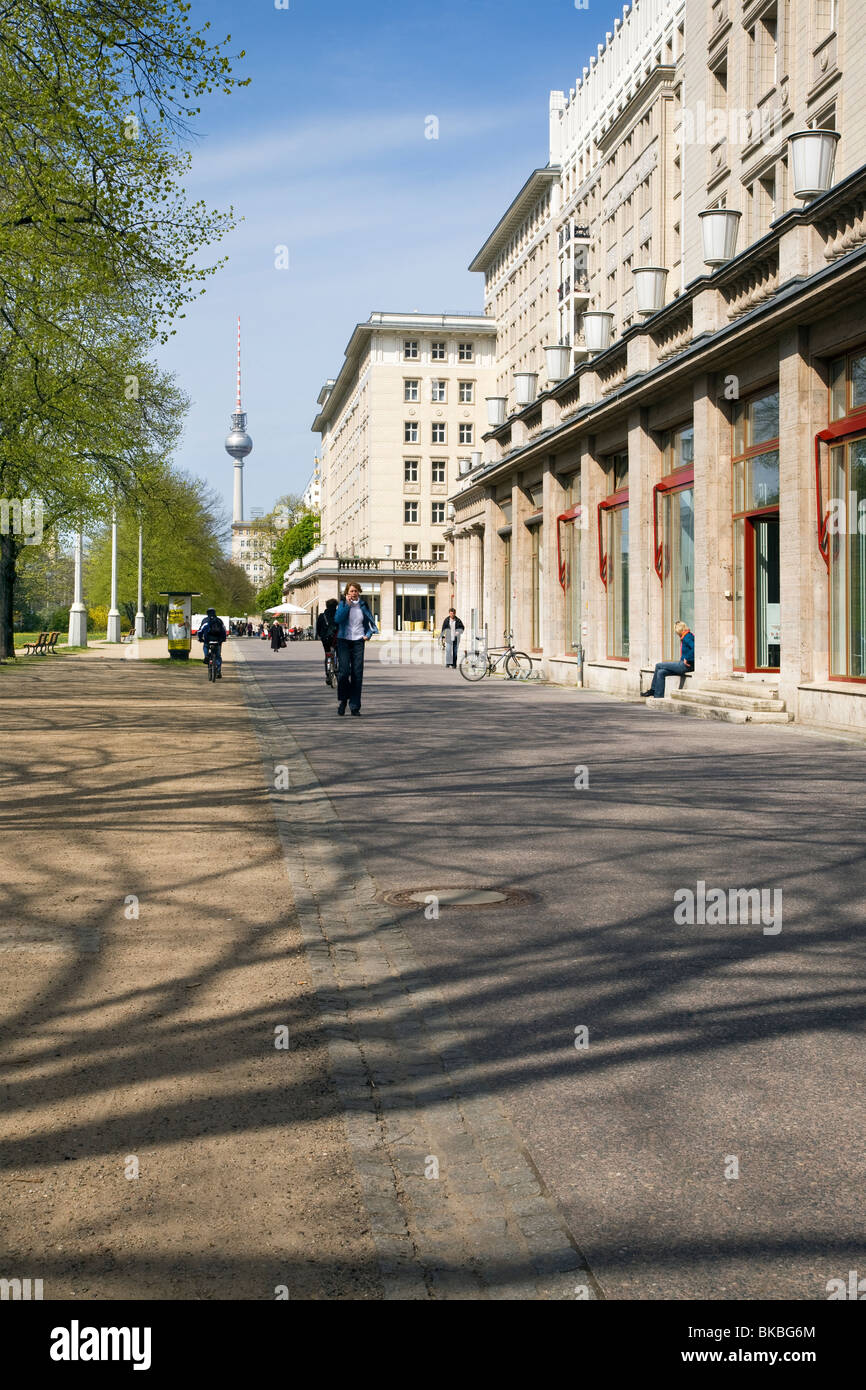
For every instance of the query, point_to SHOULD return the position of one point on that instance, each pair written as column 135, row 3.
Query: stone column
column 476, row 574
column 804, row 579
column 645, row 602
column 78, row 611
column 388, row 603
column 714, row 613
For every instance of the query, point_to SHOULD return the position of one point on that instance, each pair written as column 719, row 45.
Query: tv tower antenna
column 238, row 443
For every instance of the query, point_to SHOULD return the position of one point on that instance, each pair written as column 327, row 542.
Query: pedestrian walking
column 683, row 667
column 278, row 636
column 326, row 631
column 451, row 630
column 355, row 627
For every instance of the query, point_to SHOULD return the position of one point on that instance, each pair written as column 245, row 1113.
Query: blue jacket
column 341, row 618
column 213, row 628
column 687, row 649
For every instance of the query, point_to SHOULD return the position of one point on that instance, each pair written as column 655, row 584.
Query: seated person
column 684, row 666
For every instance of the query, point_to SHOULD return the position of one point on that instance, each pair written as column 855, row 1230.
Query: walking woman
column 278, row 637
column 355, row 626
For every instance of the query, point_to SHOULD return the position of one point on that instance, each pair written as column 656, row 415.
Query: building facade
column 398, row 426
column 705, row 458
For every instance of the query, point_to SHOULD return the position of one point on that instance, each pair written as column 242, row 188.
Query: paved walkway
column 149, row 953
column 713, row 1050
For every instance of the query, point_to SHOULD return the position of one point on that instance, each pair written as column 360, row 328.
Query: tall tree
column 100, row 249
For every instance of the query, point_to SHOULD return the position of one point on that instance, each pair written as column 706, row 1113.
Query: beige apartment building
column 399, row 425
column 699, row 451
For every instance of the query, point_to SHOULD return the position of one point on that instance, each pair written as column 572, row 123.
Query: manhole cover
column 461, row 897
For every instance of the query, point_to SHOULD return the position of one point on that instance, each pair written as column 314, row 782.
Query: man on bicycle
column 326, row 631
column 213, row 629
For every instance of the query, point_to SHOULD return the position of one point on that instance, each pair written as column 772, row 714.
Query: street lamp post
column 78, row 612
column 139, row 617
column 113, row 633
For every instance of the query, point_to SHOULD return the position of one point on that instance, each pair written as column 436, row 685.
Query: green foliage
column 269, row 596
column 183, row 536
column 297, row 542
column 100, row 249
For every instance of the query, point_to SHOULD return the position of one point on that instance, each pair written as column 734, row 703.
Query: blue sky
column 325, row 153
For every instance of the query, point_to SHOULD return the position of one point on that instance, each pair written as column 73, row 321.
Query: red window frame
column 564, row 519
column 848, row 425
column 608, row 504
column 673, row 482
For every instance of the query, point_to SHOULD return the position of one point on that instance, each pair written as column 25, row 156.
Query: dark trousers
column 662, row 671
column 350, row 671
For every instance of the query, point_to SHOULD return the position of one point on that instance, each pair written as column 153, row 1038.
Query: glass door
column 766, row 635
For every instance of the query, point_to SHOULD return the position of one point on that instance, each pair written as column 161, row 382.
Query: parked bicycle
column 474, row 666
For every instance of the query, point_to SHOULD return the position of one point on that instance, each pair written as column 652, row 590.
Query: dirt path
column 149, row 951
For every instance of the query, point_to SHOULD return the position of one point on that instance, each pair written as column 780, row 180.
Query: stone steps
column 732, row 686
column 721, row 699
column 735, row 702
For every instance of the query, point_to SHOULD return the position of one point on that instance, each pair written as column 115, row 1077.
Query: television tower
column 238, row 444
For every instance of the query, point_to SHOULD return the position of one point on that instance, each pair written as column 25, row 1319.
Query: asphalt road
column 712, row 1048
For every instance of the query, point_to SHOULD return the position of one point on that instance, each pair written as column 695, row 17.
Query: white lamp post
column 113, row 633
column 496, row 410
column 649, row 289
column 78, row 612
column 813, row 154
column 139, row 617
column 719, row 228
column 597, row 329
column 525, row 387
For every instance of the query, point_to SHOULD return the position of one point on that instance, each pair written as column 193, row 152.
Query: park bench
column 128, row 636
column 37, row 647
column 51, row 644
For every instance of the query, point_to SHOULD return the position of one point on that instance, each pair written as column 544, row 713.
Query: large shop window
column 674, row 518
column 842, row 519
column 536, row 533
column 757, row 578
column 506, row 581
column 415, row 607
column 613, row 543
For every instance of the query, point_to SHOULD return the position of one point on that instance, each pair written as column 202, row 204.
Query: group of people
column 346, row 625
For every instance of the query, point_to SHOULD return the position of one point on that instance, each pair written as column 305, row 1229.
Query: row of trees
column 100, row 253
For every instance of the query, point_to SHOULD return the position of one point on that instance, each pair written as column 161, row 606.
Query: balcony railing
column 367, row 562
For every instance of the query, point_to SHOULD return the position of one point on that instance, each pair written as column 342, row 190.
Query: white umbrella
column 287, row 608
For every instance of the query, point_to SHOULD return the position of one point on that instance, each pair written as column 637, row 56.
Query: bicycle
column 331, row 667
column 474, row 666
column 214, row 661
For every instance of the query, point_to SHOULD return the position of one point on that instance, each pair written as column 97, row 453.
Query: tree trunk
column 8, row 555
